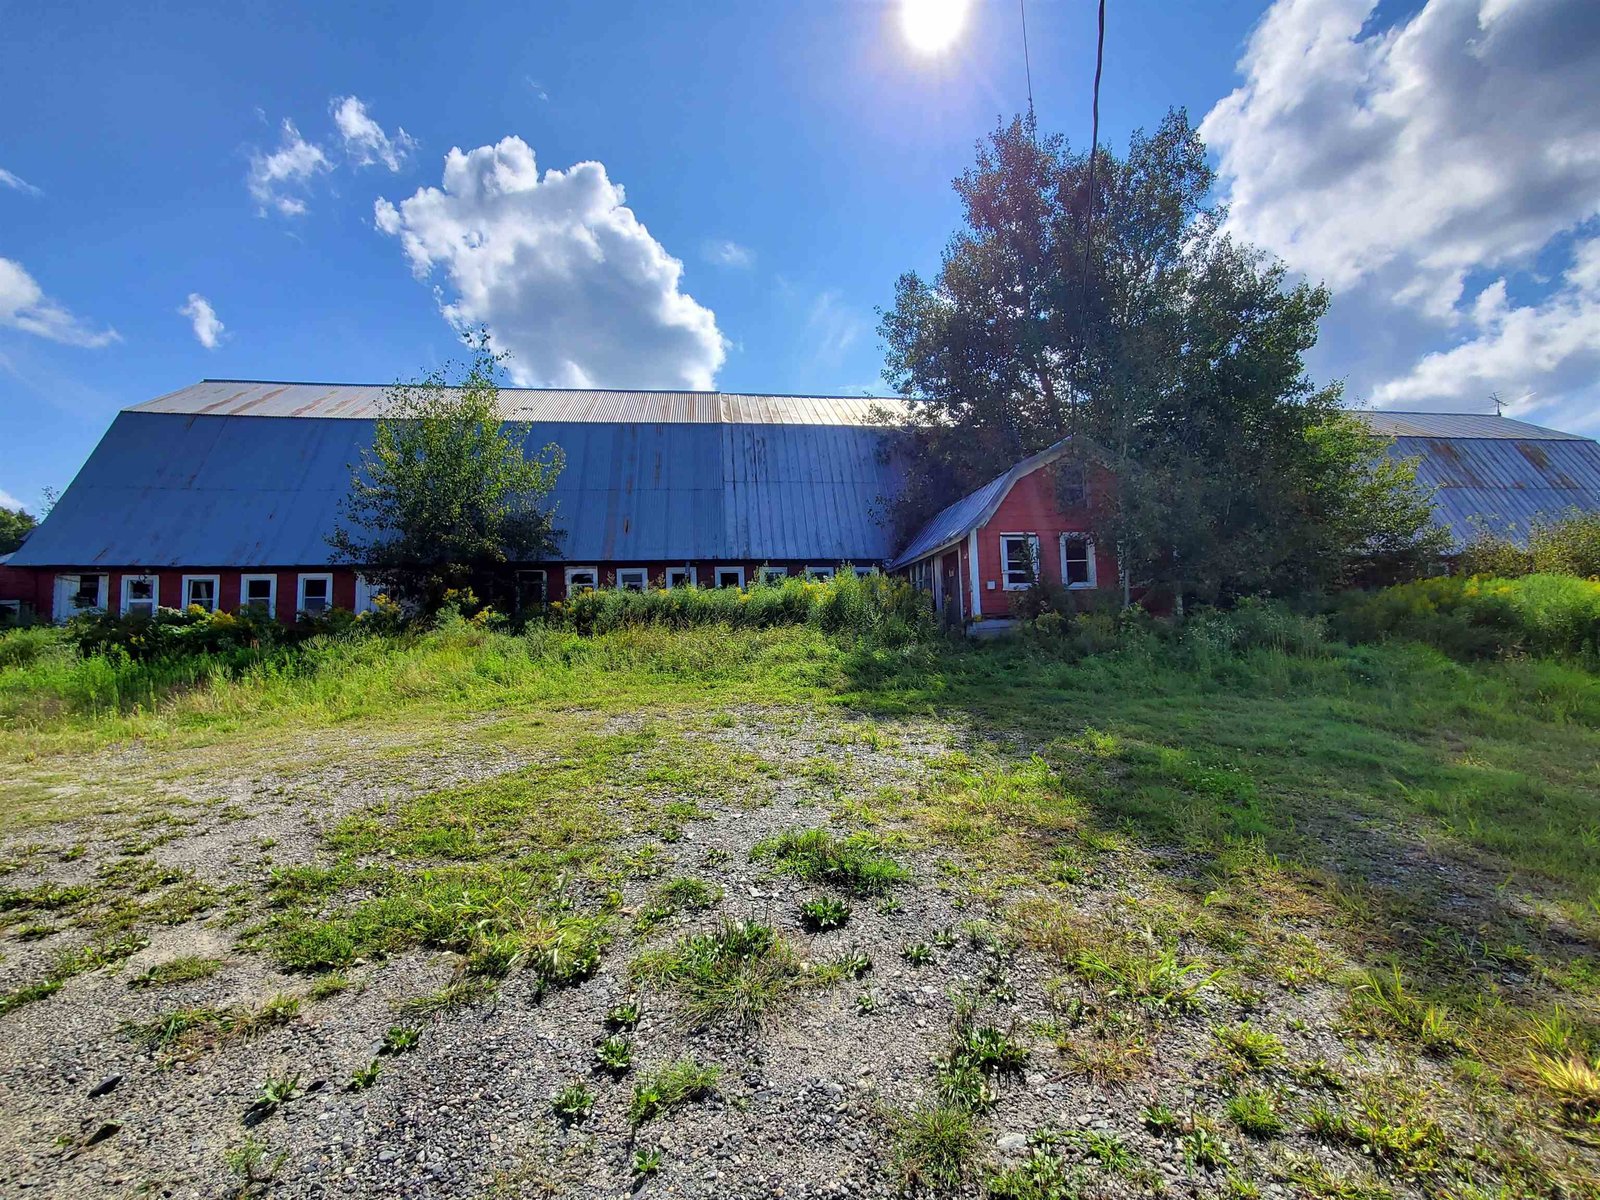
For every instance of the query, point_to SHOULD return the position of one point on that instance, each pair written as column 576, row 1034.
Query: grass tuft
column 855, row 864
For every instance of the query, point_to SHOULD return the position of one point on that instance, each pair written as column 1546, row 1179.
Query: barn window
column 582, row 579
column 632, row 579
column 1019, row 560
column 259, row 593
column 680, row 577
column 1077, row 560
column 730, row 577
column 774, row 574
column 201, row 590
column 141, row 595
column 78, row 593
column 1070, row 487
column 316, row 594
column 819, row 572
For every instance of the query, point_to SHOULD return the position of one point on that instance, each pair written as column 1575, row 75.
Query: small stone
column 105, row 1086
column 1012, row 1143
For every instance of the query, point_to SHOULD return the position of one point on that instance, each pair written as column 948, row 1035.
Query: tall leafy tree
column 1170, row 353
column 15, row 525
column 448, row 499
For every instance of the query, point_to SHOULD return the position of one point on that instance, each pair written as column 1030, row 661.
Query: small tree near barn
column 446, row 500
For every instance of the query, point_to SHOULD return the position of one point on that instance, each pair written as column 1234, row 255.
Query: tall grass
column 1477, row 617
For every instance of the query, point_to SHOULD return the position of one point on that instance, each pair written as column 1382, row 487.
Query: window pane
column 140, row 589
column 258, row 591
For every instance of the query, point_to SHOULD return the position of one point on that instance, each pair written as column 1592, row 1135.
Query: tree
column 447, row 499
column 1171, row 354
column 15, row 525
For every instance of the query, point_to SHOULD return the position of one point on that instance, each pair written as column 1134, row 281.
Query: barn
column 223, row 494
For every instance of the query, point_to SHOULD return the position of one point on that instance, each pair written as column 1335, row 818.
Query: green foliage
column 647, row 1162
column 1256, row 1113
column 1160, row 1119
column 614, row 1053
column 1383, row 1004
column 855, row 863
column 880, row 607
column 1203, row 1148
column 364, row 1077
column 572, row 1103
column 1154, row 979
column 819, row 916
column 15, row 525
column 184, row 969
column 1043, row 1175
column 1556, row 615
column 1567, row 545
column 1170, row 353
column 674, row 1085
column 446, row 502
column 934, row 1146
column 279, row 1089
column 623, row 1016
column 1254, row 1048
column 741, row 974
column 400, row 1039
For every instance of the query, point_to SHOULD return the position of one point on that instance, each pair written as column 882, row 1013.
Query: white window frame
column 687, row 575
column 155, row 593
column 593, row 572
column 819, row 572
column 300, row 590
column 721, row 571
column 632, row 579
column 216, row 590
column 772, row 574
column 1032, row 540
column 245, row 581
column 1088, row 547
column 63, row 594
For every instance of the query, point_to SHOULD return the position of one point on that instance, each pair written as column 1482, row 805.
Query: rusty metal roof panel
column 228, row 397
column 1504, row 484
column 168, row 489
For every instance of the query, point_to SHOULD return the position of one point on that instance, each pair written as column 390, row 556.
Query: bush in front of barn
column 876, row 605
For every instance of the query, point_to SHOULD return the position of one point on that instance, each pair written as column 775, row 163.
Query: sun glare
column 932, row 25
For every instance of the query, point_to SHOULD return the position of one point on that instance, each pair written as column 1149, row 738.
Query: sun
column 932, row 25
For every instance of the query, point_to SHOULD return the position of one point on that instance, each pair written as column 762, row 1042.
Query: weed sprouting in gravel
column 945, row 938
column 855, row 863
column 623, row 1016
column 1255, row 1112
column 671, row 1087
column 918, row 954
column 278, row 1089
column 819, row 916
column 185, row 969
column 1383, row 1004
column 1253, row 1048
column 1161, row 1120
column 572, row 1103
column 459, row 994
column 867, row 1004
column 647, row 1162
column 253, row 1166
column 1043, row 1175
column 400, row 1039
column 614, row 1053
column 364, row 1077
column 1152, row 979
column 1203, row 1148
column 934, row 1146
column 740, row 974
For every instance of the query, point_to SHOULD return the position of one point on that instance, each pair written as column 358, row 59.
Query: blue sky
column 793, row 157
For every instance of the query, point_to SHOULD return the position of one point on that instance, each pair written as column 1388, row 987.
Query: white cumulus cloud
column 208, row 327
column 559, row 269
column 24, row 306
column 1411, row 165
column 17, row 183
column 364, row 139
column 278, row 181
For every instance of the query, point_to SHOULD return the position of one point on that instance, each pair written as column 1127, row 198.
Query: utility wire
column 1094, row 133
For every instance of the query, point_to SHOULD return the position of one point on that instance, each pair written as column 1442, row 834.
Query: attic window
column 140, row 595
column 1019, row 560
column 1070, row 488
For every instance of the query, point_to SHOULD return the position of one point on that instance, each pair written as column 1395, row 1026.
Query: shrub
column 26, row 645
column 1567, row 546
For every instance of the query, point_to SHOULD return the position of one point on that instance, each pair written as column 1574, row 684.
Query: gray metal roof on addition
column 243, row 475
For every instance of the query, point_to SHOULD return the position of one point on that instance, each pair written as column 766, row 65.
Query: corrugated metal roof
column 952, row 523
column 1392, row 423
column 361, row 401
column 1504, row 484
column 168, row 489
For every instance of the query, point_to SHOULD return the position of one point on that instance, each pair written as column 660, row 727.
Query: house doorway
column 951, row 610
